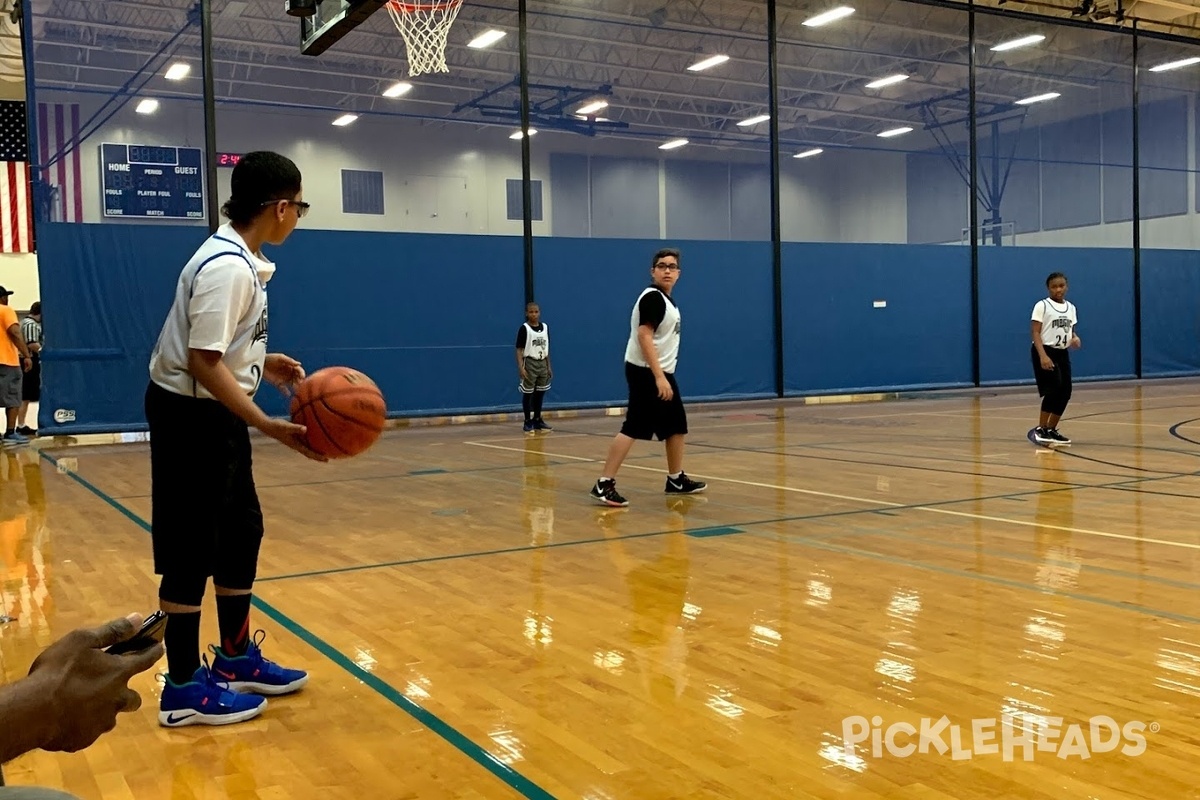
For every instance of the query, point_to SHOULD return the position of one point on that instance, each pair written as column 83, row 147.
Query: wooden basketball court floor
column 476, row 628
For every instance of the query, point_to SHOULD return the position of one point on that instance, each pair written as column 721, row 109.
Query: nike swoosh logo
column 172, row 719
column 676, row 485
column 225, row 674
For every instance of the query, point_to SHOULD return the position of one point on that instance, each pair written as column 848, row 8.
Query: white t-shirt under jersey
column 1058, row 322
column 655, row 308
column 220, row 305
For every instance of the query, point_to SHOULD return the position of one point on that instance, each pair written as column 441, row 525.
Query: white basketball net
column 424, row 27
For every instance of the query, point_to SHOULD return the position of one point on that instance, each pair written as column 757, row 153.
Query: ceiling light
column 754, row 120
column 674, row 143
column 592, row 108
column 592, row 119
column 1037, row 98
column 809, row 153
column 147, row 106
column 1024, row 41
column 486, row 39
column 711, row 61
column 829, row 16
column 1170, row 65
column 888, row 81
column 895, row 132
column 345, row 119
column 397, row 89
column 517, row 134
column 178, row 71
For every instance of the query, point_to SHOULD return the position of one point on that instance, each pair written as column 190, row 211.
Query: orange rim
column 412, row 8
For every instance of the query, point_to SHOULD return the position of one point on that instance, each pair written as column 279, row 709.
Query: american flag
column 58, row 141
column 16, row 201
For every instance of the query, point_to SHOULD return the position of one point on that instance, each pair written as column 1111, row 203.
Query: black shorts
column 31, row 386
column 649, row 415
column 1049, row 380
column 205, row 514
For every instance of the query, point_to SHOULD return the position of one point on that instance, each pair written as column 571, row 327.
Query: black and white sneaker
column 605, row 492
column 684, row 485
column 1042, row 436
column 1056, row 437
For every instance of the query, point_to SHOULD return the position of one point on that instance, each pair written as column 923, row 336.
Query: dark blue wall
column 1170, row 312
column 105, row 290
column 587, row 288
column 1013, row 279
column 433, row 318
column 834, row 339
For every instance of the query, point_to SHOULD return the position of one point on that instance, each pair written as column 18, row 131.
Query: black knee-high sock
column 538, row 396
column 233, row 616
column 182, row 641
column 527, row 405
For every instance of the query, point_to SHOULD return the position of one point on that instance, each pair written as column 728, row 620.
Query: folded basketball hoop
column 424, row 27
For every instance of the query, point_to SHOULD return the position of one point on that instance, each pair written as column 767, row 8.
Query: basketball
column 343, row 410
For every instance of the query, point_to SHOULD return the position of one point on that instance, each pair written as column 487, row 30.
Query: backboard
column 333, row 20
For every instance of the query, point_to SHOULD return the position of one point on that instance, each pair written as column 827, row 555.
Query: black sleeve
column 652, row 309
column 521, row 337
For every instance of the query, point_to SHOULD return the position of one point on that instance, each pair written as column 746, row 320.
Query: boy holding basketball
column 533, row 366
column 1053, row 332
column 655, row 407
column 209, row 361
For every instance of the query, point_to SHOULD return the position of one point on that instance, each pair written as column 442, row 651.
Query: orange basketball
column 342, row 409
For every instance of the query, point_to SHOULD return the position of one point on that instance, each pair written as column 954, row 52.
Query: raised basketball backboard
column 333, row 20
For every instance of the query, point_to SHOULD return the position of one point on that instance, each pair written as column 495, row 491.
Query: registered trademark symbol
column 1154, row 727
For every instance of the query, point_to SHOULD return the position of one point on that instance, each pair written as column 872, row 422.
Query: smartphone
column 150, row 634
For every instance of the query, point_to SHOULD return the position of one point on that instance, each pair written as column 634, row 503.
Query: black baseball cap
column 5, row 292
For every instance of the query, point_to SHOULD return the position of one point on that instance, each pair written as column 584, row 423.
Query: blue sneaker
column 253, row 673
column 205, row 701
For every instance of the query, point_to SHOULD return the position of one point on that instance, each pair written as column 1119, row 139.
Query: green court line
column 447, row 732
column 705, row 533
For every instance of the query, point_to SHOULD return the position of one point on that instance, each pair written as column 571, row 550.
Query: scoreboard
column 146, row 181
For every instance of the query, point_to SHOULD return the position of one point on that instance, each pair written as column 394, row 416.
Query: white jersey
column 537, row 343
column 1058, row 322
column 220, row 305
column 666, row 335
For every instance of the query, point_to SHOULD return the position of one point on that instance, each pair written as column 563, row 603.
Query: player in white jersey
column 204, row 372
column 1053, row 331
column 655, row 406
column 533, row 366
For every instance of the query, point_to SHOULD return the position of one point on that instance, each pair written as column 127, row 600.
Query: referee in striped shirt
column 31, row 387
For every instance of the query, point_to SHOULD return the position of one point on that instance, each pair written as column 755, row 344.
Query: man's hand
column 85, row 686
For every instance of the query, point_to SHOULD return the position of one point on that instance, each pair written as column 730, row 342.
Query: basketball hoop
column 424, row 27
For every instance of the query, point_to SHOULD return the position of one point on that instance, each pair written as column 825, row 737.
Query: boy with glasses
column 206, row 522
column 655, row 406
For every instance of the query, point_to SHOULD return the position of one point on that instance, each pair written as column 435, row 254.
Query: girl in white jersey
column 206, row 367
column 655, row 407
column 1053, row 332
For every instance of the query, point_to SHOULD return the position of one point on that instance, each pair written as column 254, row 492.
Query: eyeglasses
column 668, row 267
column 301, row 206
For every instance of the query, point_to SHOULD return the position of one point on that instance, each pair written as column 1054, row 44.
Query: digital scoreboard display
column 152, row 181
column 228, row 159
